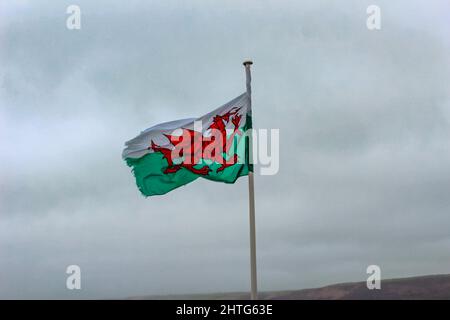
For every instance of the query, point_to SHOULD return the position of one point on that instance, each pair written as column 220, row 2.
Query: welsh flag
column 172, row 154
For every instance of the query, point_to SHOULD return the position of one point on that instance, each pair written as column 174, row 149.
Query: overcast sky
column 364, row 119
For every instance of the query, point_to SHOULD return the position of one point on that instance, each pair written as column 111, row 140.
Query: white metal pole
column 251, row 195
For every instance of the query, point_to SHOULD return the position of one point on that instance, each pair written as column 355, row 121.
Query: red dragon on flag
column 192, row 146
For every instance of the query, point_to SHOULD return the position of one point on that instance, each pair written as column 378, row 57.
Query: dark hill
column 422, row 287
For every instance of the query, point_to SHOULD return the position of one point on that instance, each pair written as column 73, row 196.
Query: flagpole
column 251, row 195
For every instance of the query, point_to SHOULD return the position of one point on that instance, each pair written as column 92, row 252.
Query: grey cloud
column 364, row 125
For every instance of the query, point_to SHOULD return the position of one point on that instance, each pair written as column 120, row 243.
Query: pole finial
column 247, row 63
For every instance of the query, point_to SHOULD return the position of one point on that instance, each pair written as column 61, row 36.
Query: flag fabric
column 172, row 154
